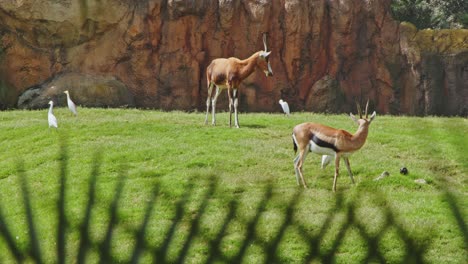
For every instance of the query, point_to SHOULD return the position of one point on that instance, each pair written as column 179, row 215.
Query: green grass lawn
column 213, row 187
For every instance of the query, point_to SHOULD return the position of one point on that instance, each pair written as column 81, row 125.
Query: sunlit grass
column 183, row 156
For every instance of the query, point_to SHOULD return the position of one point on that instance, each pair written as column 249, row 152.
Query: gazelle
column 228, row 73
column 324, row 140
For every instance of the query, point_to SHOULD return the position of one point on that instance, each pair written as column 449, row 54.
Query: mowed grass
column 185, row 159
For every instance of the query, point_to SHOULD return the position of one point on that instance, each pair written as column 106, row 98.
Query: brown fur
column 342, row 139
column 345, row 142
column 228, row 73
column 232, row 71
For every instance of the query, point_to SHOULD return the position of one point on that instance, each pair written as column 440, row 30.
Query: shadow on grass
column 253, row 126
column 414, row 250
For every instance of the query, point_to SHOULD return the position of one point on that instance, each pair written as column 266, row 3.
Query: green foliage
column 464, row 19
column 115, row 185
column 436, row 14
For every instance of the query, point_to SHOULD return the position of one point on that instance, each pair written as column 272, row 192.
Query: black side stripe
column 323, row 144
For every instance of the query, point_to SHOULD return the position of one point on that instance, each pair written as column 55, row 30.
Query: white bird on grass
column 285, row 107
column 70, row 103
column 51, row 117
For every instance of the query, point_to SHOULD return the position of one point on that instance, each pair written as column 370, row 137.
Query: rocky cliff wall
column 325, row 55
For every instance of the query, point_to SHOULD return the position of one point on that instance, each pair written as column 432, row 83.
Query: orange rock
column 325, row 54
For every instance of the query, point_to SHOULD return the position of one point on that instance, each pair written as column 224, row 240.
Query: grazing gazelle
column 228, row 73
column 324, row 140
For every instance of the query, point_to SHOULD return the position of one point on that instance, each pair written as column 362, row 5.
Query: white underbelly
column 321, row 150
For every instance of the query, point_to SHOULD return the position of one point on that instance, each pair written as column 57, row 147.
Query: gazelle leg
column 230, row 106
column 208, row 100
column 213, row 105
column 296, row 170
column 337, row 170
column 300, row 162
column 350, row 173
column 236, row 103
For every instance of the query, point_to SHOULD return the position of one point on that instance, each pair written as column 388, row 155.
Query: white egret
column 51, row 117
column 285, row 107
column 70, row 103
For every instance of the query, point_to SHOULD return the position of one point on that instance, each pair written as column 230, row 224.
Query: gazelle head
column 363, row 120
column 263, row 61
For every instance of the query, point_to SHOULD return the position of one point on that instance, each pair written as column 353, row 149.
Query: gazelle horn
column 359, row 110
column 367, row 106
column 264, row 41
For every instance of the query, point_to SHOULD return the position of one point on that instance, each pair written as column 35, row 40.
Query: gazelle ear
column 265, row 54
column 353, row 118
column 372, row 116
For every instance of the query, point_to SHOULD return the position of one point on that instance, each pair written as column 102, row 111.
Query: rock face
column 326, row 55
column 437, row 79
column 84, row 89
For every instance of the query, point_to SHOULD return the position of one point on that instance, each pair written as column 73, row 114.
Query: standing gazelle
column 324, row 140
column 228, row 73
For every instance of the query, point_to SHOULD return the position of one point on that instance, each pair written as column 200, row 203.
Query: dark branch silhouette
column 414, row 249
